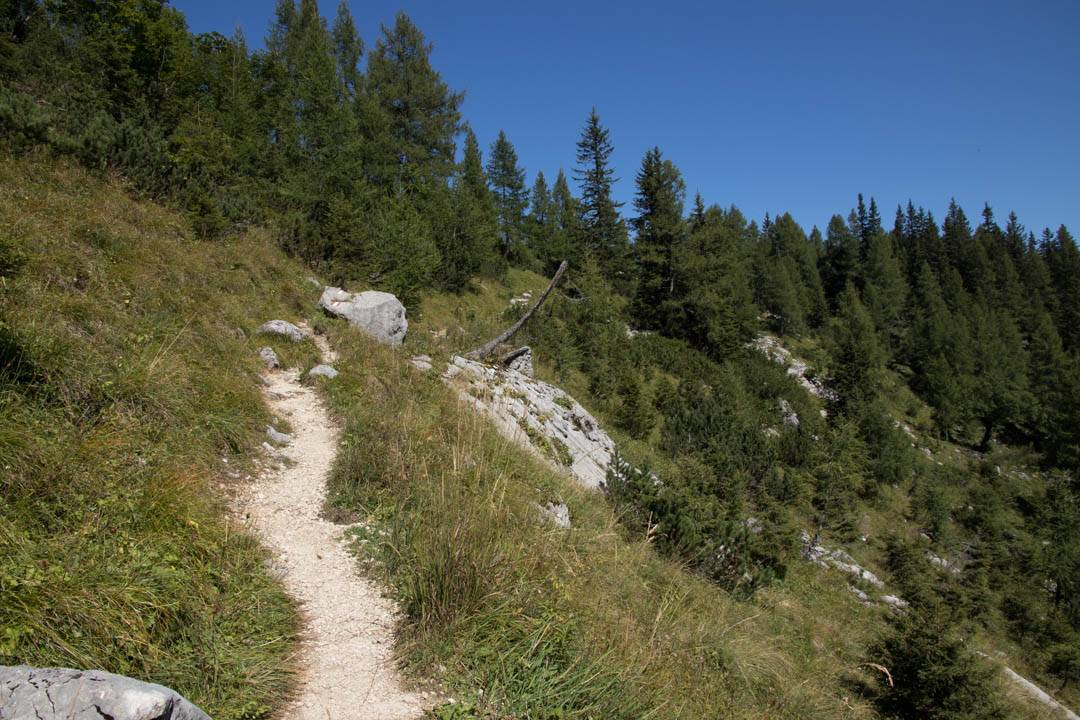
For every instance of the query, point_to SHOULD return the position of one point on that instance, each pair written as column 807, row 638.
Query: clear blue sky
column 772, row 106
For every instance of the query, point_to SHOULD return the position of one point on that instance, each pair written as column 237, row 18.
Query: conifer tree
column 659, row 230
column 604, row 232
column 1063, row 262
column 840, row 261
column 858, row 356
column 939, row 351
column 348, row 49
column 1001, row 366
column 507, row 183
column 468, row 246
column 884, row 289
column 566, row 242
column 539, row 224
column 933, row 675
column 422, row 113
column 714, row 309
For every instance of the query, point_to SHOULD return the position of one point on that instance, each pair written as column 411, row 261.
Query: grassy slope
column 127, row 388
column 528, row 621
column 130, row 376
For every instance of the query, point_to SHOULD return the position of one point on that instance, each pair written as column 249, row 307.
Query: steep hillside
column 524, row 618
column 129, row 405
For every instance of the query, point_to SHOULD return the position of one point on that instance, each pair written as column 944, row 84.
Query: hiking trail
column 347, row 669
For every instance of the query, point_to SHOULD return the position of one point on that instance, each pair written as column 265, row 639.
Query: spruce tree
column 603, row 231
column 507, row 182
column 659, row 230
column 1063, row 261
column 884, row 289
column 539, row 224
column 713, row 309
column 567, row 231
column 840, row 261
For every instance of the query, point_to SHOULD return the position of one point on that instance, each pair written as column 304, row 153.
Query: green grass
column 128, row 393
column 519, row 619
column 129, row 399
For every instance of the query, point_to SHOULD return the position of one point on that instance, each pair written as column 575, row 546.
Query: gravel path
column 346, row 659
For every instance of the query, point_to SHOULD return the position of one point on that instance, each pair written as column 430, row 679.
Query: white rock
column 421, row 362
column 557, row 514
column 796, row 368
column 791, row 417
column 837, row 559
column 521, row 360
column 276, row 436
column 54, row 693
column 282, row 328
column 894, row 602
column 325, row 371
column 269, row 358
column 560, row 430
column 379, row 314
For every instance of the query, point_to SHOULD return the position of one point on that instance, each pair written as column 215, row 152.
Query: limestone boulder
column 283, row 328
column 28, row 693
column 325, row 371
column 379, row 314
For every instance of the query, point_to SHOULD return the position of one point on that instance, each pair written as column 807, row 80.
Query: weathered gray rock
column 314, row 281
column 282, row 328
column 421, row 362
column 269, row 358
column 520, row 360
column 379, row 314
column 771, row 347
column 790, row 416
column 325, row 371
column 28, row 693
column 838, row 559
column 555, row 513
column 538, row 416
column 895, row 603
column 277, row 436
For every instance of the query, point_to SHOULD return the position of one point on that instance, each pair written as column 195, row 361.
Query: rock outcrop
column 796, row 368
column 282, row 328
column 537, row 416
column 837, row 559
column 379, row 314
column 28, row 693
column 520, row 360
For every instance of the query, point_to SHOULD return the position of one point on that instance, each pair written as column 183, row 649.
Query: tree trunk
column 988, row 433
column 489, row 347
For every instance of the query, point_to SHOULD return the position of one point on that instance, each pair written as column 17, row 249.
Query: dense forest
column 360, row 161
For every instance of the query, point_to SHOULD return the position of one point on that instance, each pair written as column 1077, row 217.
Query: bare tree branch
column 489, row 347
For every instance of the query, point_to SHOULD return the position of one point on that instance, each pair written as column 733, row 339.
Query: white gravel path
column 346, row 658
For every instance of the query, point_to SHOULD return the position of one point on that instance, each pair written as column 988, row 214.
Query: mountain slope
column 128, row 395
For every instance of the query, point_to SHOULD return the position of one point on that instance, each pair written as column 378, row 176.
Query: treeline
column 353, row 154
